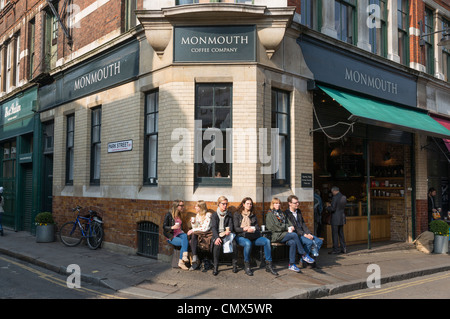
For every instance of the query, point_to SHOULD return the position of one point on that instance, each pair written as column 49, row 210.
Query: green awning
column 378, row 113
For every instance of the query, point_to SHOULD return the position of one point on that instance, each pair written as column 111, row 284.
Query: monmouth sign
column 215, row 44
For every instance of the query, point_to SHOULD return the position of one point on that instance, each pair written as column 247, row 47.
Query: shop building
column 194, row 100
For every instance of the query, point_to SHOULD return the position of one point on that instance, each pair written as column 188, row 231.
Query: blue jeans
column 180, row 241
column 247, row 244
column 292, row 240
column 307, row 243
column 1, row 227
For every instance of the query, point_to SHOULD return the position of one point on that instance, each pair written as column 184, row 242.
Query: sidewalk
column 149, row 278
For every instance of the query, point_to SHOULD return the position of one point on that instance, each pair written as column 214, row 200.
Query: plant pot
column 440, row 244
column 45, row 233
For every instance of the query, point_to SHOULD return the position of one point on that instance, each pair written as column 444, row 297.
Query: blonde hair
column 221, row 198
column 202, row 205
column 175, row 204
column 275, row 200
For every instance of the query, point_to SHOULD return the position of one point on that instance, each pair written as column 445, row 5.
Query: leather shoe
column 344, row 251
column 332, row 252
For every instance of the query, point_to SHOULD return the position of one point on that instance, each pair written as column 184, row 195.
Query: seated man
column 310, row 242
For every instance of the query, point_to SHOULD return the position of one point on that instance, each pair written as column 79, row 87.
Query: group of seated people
column 225, row 231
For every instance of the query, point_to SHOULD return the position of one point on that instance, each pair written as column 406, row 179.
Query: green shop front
column 365, row 130
column 20, row 143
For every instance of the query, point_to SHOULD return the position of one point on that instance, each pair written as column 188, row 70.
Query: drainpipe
column 413, row 192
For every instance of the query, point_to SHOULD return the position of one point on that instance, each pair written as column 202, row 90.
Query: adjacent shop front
column 365, row 124
column 20, row 172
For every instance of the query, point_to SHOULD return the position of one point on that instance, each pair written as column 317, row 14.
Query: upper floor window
column 31, row 54
column 130, row 15
column 403, row 26
column 179, row 2
column 377, row 35
column 50, row 39
column 446, row 54
column 308, row 12
column 344, row 20
column 429, row 41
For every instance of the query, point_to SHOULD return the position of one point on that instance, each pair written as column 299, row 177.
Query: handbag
column 204, row 240
column 252, row 236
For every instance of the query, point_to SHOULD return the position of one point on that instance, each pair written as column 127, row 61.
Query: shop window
column 378, row 35
column 403, row 27
column 344, row 18
column 96, row 144
column 9, row 159
column 429, row 41
column 280, row 121
column 151, row 138
column 70, row 131
column 213, row 111
column 48, row 129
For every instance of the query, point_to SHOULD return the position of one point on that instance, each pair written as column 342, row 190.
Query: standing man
column 337, row 210
column 310, row 243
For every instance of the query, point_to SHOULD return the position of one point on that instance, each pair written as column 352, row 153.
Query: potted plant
column 45, row 227
column 441, row 232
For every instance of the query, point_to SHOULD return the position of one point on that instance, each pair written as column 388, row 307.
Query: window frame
column 70, row 148
column 151, row 180
column 446, row 53
column 213, row 180
column 348, row 4
column 277, row 182
column 403, row 29
column 379, row 48
column 429, row 40
column 96, row 146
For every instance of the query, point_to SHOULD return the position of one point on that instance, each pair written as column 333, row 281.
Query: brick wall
column 121, row 216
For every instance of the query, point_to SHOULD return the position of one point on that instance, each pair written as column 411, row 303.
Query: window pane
column 151, row 128
column 222, row 119
column 152, row 156
column 205, row 96
column 222, row 96
column 282, row 123
column 206, row 116
column 96, row 134
column 70, row 155
column 97, row 149
column 281, row 174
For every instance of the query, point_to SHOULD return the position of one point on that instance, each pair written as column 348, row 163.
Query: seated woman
column 282, row 232
column 200, row 228
column 248, row 234
column 173, row 232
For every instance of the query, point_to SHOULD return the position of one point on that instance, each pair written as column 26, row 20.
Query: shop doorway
column 27, row 196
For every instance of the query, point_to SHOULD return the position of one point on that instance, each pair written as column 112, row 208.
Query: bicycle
column 71, row 233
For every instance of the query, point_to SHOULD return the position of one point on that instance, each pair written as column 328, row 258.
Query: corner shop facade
column 138, row 185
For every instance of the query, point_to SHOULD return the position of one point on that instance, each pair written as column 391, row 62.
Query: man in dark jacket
column 222, row 226
column 310, row 243
column 337, row 210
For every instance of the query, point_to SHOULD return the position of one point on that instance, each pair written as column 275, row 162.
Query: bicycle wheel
column 96, row 236
column 70, row 234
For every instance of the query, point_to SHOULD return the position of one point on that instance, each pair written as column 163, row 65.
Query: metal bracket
column 58, row 18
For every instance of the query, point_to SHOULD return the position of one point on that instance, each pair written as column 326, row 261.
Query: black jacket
column 337, row 209
column 299, row 223
column 167, row 224
column 237, row 219
column 228, row 222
